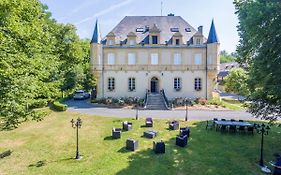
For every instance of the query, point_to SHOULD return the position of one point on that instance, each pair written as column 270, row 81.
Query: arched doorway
column 154, row 85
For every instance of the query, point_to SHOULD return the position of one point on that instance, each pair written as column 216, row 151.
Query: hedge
column 58, row 106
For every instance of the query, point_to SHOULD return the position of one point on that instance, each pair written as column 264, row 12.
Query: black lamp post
column 137, row 112
column 187, row 102
column 263, row 130
column 77, row 124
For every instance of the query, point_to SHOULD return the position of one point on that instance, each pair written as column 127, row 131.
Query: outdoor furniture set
column 158, row 147
column 231, row 126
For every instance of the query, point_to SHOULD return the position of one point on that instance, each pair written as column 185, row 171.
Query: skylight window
column 188, row 29
column 174, row 29
column 140, row 29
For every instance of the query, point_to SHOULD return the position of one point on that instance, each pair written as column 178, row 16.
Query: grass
column 48, row 147
column 233, row 104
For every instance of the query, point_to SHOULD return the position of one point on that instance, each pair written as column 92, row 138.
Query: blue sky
column 83, row 13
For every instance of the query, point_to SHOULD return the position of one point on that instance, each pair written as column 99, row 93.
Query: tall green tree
column 259, row 49
column 226, row 57
column 236, row 82
column 38, row 59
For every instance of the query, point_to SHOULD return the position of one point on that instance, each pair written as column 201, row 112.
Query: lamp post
column 77, row 124
column 137, row 112
column 187, row 102
column 263, row 130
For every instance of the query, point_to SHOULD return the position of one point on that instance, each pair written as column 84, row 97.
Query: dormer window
column 198, row 41
column 140, row 29
column 188, row 29
column 154, row 39
column 131, row 42
column 110, row 39
column 131, row 39
column 110, row 42
column 177, row 41
column 174, row 29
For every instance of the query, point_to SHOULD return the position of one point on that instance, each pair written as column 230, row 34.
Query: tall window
column 131, row 58
column 111, row 58
column 132, row 84
column 197, row 84
column 198, row 59
column 198, row 41
column 177, row 58
column 177, row 41
column 131, row 42
column 154, row 58
column 110, row 42
column 154, row 40
column 111, row 84
column 177, row 84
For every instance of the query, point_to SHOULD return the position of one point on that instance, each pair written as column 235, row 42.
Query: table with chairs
column 231, row 125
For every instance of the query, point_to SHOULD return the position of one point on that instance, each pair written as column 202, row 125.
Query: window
column 188, row 29
column 177, row 58
column 110, row 42
column 132, row 84
column 111, row 84
column 177, row 84
column 140, row 29
column 198, row 41
column 174, row 29
column 197, row 84
column 131, row 42
column 154, row 40
column 177, row 41
column 111, row 58
column 154, row 58
column 198, row 59
column 210, row 60
column 131, row 58
column 99, row 60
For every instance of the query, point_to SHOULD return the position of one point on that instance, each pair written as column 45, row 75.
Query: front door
column 154, row 85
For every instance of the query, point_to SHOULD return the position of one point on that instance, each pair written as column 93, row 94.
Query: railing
column 145, row 98
column 162, row 92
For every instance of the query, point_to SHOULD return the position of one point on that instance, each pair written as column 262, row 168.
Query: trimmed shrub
column 201, row 101
column 58, row 106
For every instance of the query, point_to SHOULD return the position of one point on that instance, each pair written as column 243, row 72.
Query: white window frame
column 132, row 84
column 198, row 59
column 131, row 58
column 110, row 58
column 177, row 59
column 131, row 42
column 197, row 84
column 154, row 58
column 198, row 41
column 110, row 42
column 111, row 84
column 177, row 84
column 210, row 60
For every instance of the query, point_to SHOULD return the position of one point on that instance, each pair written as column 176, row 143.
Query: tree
column 236, row 82
column 259, row 49
column 226, row 58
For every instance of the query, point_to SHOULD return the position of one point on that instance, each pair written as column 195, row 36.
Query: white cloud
column 105, row 11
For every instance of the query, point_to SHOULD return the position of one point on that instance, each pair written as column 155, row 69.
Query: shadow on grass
column 42, row 163
column 123, row 150
column 109, row 138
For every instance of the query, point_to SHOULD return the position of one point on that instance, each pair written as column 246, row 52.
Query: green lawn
column 51, row 143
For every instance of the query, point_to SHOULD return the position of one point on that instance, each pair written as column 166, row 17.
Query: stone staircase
column 155, row 102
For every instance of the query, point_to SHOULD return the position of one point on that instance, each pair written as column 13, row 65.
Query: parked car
column 81, row 95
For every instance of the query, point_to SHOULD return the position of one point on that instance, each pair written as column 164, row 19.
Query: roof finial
column 212, row 38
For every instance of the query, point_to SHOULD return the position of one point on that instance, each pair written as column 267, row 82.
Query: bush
column 39, row 104
column 215, row 101
column 201, row 101
column 58, row 106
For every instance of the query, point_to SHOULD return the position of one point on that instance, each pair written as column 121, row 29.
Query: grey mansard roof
column 163, row 23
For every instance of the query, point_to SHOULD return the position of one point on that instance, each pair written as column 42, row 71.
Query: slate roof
column 95, row 38
column 163, row 23
column 213, row 38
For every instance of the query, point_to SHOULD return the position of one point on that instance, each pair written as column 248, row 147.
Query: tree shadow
column 109, row 138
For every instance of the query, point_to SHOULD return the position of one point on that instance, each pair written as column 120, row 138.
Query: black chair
column 181, row 141
column 223, row 128
column 174, row 125
column 223, row 119
column 241, row 120
column 232, row 128
column 185, row 131
column 215, row 119
column 116, row 133
column 250, row 129
column 232, row 120
column 210, row 124
column 159, row 147
column 241, row 129
column 149, row 122
column 127, row 126
column 132, row 145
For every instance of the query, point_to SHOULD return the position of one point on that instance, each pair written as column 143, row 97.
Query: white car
column 81, row 95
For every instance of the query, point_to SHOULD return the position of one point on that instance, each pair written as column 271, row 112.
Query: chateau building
column 155, row 55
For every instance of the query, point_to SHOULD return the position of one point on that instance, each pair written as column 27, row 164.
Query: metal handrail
column 145, row 98
column 165, row 99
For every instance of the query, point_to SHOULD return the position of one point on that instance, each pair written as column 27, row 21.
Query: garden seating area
column 158, row 147
column 231, row 126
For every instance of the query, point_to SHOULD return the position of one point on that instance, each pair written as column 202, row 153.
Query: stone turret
column 213, row 58
column 96, row 57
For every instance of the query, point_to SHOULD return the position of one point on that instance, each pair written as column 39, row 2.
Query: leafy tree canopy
column 259, row 49
column 226, row 57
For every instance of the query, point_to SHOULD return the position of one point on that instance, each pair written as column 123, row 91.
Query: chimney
column 171, row 14
column 200, row 29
